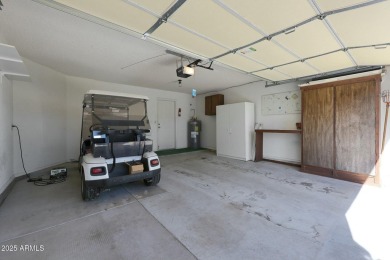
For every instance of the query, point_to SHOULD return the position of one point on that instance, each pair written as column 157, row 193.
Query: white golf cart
column 114, row 147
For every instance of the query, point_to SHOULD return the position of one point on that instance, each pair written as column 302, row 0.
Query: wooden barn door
column 340, row 129
column 356, row 130
column 318, row 132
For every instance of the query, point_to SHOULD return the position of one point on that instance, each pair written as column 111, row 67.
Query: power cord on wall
column 38, row 181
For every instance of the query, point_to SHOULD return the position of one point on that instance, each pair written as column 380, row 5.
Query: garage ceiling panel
column 270, row 54
column 272, row 75
column 174, row 35
column 159, row 7
column 272, row 16
column 331, row 62
column 116, row 11
column 326, row 5
column 298, row 69
column 309, row 40
column 212, row 21
column 363, row 26
column 371, row 56
column 240, row 62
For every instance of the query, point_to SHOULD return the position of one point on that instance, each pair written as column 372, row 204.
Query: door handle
column 158, row 125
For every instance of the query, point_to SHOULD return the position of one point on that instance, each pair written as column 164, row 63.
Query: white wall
column 39, row 109
column 284, row 147
column 77, row 87
column 6, row 172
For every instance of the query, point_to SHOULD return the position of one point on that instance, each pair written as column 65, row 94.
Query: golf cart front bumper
column 112, row 181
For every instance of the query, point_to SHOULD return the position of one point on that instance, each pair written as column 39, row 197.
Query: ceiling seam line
column 151, row 58
column 109, row 25
column 238, row 16
column 269, row 37
column 283, row 73
column 146, row 10
column 251, row 59
column 285, row 48
column 198, row 34
column 87, row 17
column 171, row 47
column 303, row 59
column 191, row 31
column 175, row 23
column 353, row 7
column 332, row 31
column 369, row 45
column 164, row 17
column 320, row 16
column 323, row 54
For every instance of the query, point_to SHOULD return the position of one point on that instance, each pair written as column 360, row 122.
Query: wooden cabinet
column 235, row 127
column 340, row 129
column 211, row 102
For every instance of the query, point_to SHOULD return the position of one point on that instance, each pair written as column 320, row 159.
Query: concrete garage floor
column 205, row 207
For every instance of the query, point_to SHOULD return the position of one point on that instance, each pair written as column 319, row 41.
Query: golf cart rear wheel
column 152, row 181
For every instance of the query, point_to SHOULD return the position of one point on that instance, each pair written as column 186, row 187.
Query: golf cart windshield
column 116, row 112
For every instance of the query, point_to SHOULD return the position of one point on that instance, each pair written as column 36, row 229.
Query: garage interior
column 314, row 191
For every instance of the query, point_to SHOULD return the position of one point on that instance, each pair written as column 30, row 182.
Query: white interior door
column 165, row 124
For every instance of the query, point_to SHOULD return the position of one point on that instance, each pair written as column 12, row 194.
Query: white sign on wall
column 281, row 103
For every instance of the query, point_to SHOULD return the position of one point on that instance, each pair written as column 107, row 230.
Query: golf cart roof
column 115, row 94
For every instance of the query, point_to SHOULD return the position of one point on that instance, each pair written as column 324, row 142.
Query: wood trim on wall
column 317, row 170
column 352, row 176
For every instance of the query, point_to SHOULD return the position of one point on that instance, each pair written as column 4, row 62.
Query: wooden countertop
column 277, row 131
